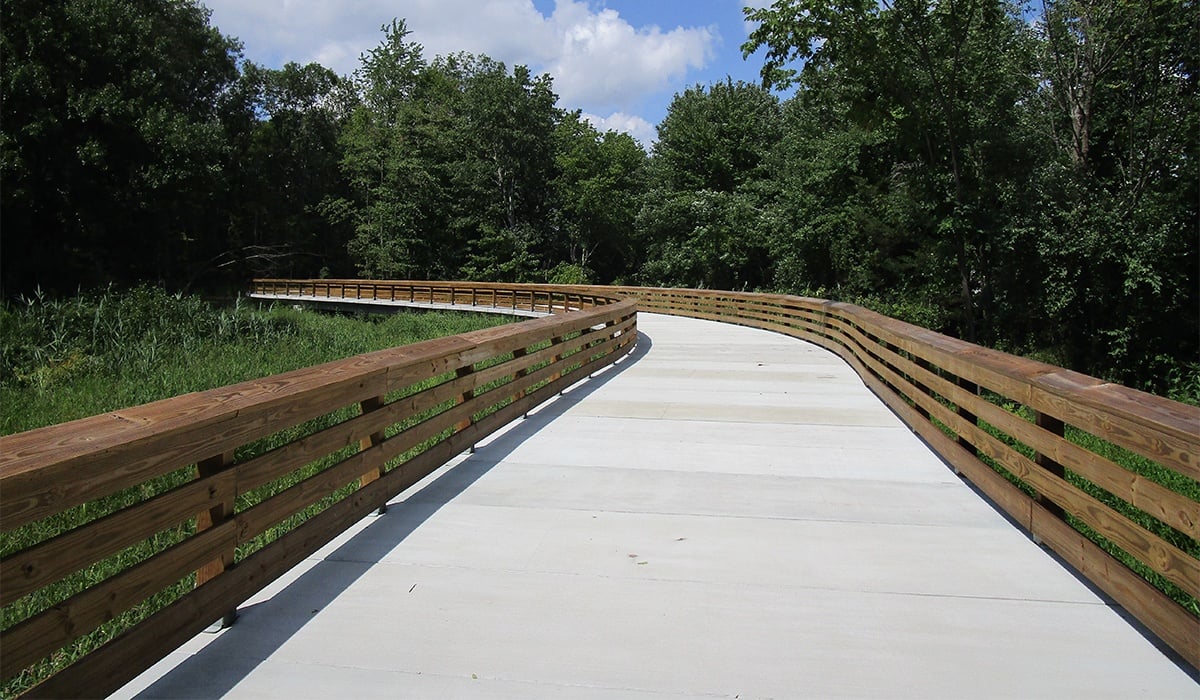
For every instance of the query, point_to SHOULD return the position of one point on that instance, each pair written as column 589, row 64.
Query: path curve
column 727, row 513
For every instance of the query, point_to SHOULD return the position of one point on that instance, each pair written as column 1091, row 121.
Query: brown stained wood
column 264, row 515
column 1154, row 427
column 1055, row 427
column 268, row 513
column 214, row 515
column 370, row 405
column 58, row 474
column 1164, row 617
column 1175, row 449
column 465, row 397
column 1161, row 556
column 1171, row 508
column 46, row 471
column 287, row 458
column 1154, row 552
column 518, row 356
column 35, row 638
column 803, row 322
column 30, row 569
column 263, row 469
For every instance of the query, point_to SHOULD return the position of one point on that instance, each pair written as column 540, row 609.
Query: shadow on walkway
column 264, row 627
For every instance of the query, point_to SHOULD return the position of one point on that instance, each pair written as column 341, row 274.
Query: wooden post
column 372, row 404
column 517, row 376
column 465, row 396
column 1054, row 425
column 207, row 519
column 556, row 340
column 973, row 388
column 923, row 365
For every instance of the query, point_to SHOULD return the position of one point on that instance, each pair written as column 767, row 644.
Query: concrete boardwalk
column 729, row 513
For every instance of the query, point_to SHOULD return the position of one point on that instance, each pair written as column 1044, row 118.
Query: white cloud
column 758, row 5
column 604, row 61
column 635, row 126
column 597, row 59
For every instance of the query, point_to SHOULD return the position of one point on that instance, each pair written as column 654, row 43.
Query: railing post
column 372, row 404
column 967, row 415
column 207, row 519
column 1055, row 426
column 464, row 397
column 556, row 358
column 517, row 376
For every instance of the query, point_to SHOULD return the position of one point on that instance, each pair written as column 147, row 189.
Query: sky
column 619, row 61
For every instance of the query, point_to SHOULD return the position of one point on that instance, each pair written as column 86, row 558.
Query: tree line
column 1023, row 177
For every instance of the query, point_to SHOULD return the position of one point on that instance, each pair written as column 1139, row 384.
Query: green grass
column 62, row 360
column 67, row 359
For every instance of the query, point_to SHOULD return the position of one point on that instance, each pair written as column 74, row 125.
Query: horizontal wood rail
column 532, row 298
column 988, row 413
column 206, row 498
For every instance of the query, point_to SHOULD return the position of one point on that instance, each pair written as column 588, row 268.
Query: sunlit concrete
column 729, row 513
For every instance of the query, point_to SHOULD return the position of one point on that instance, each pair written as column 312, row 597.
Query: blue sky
column 620, row 61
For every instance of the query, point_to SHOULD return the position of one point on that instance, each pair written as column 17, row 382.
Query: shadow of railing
column 265, row 626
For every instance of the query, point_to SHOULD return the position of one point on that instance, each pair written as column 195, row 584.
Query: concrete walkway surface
column 727, row 513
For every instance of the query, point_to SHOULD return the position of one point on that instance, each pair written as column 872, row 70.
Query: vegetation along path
column 728, row 512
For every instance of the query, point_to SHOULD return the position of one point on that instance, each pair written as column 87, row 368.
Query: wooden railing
column 1042, row 442
column 533, row 298
column 200, row 501
column 1038, row 440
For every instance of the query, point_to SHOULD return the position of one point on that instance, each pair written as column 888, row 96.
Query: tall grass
column 67, row 359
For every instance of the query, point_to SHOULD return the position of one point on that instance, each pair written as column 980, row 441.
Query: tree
column 113, row 145
column 1120, row 230
column 702, row 222
column 383, row 171
column 289, row 160
column 951, row 77
column 597, row 194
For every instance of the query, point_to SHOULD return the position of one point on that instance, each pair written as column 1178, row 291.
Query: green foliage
column 113, row 142
column 71, row 358
column 702, row 221
column 1033, row 181
column 597, row 191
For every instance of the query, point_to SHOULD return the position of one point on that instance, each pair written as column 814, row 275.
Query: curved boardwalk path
column 727, row 513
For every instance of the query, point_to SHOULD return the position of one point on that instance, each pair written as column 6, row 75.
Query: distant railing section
column 200, row 501
column 1041, row 441
column 534, row 298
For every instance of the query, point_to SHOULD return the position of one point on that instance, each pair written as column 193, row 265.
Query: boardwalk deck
column 728, row 513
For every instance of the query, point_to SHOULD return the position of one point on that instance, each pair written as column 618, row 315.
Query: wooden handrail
column 921, row 375
column 406, row 411
column 223, row 469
